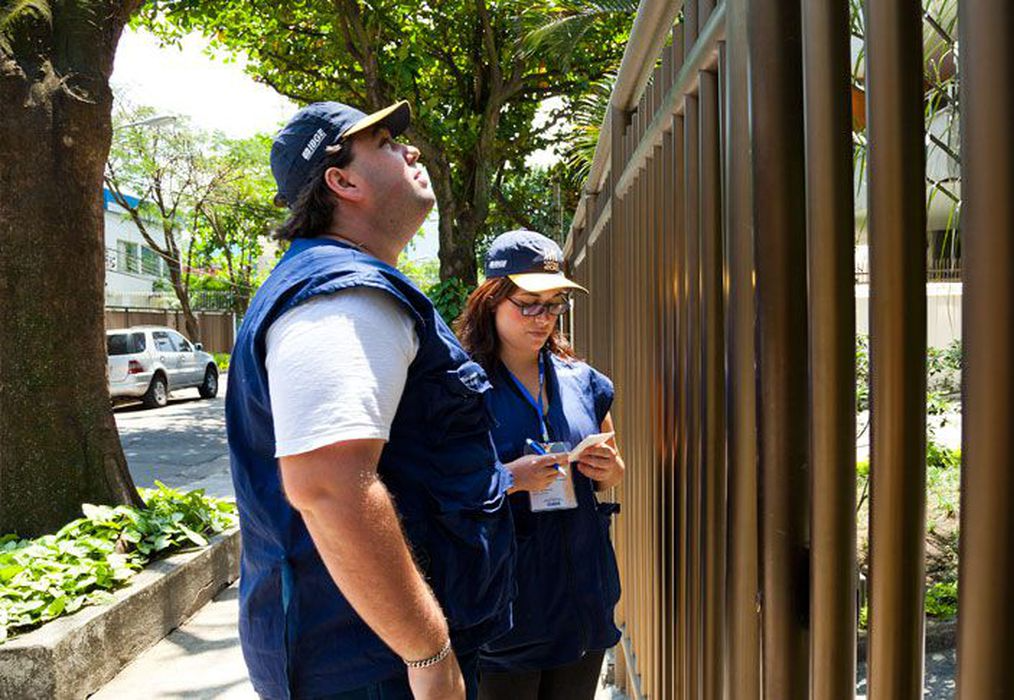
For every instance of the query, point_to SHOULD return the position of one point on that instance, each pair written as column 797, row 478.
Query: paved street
column 182, row 445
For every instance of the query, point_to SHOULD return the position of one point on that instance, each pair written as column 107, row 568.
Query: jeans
column 576, row 681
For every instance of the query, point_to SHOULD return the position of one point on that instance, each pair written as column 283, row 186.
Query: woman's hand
column 533, row 472
column 602, row 464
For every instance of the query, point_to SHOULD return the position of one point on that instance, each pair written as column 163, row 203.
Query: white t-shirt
column 337, row 366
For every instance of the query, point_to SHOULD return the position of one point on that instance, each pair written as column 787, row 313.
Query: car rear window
column 124, row 343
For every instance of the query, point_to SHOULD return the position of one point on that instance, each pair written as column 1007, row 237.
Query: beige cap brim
column 538, row 282
column 396, row 118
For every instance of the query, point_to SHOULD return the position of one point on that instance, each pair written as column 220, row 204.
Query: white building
column 132, row 267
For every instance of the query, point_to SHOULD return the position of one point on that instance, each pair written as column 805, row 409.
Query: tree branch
column 508, row 208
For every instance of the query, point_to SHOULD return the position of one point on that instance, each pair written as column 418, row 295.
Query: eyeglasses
column 556, row 308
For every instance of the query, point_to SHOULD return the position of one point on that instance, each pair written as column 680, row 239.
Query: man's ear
column 343, row 182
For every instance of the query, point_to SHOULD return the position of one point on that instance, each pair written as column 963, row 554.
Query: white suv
column 148, row 362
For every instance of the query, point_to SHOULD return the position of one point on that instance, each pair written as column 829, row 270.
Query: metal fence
column 716, row 237
column 200, row 300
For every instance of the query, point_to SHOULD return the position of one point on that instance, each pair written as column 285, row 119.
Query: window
column 151, row 262
column 129, row 256
column 125, row 343
column 181, row 343
column 162, row 342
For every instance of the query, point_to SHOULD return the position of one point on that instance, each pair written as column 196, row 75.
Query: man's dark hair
column 313, row 211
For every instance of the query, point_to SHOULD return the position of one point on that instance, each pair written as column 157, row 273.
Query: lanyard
column 537, row 405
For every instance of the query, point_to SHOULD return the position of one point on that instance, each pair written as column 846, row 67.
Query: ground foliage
column 81, row 564
column 943, row 475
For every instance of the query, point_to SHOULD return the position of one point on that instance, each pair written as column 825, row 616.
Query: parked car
column 149, row 362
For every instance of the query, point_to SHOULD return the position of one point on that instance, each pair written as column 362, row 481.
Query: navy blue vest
column 300, row 637
column 568, row 582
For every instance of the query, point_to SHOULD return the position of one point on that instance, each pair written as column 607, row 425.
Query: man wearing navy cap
column 377, row 547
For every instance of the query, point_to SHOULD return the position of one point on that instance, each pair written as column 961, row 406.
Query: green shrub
column 941, row 603
column 80, row 565
column 222, row 360
column 941, row 457
column 942, row 600
column 449, row 297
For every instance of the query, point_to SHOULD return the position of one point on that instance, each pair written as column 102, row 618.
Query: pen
column 540, row 450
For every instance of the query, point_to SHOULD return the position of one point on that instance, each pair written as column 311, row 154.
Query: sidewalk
column 201, row 659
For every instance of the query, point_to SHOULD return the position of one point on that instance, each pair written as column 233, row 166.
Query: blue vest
column 568, row 582
column 300, row 637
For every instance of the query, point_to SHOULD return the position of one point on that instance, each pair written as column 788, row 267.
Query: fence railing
column 716, row 237
column 200, row 300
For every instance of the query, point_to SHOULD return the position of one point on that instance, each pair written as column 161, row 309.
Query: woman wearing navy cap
column 544, row 398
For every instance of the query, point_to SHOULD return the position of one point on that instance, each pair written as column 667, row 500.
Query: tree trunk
column 457, row 246
column 59, row 446
column 183, row 296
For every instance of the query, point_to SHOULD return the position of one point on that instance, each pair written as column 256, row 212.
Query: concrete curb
column 72, row 657
column 940, row 636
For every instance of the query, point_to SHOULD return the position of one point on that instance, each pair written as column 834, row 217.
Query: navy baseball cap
column 530, row 260
column 316, row 128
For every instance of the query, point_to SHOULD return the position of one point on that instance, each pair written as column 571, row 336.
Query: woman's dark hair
column 476, row 326
column 313, row 212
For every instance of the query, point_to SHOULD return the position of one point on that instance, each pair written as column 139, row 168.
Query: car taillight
column 134, row 367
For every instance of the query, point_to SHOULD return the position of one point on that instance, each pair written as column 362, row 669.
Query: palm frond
column 570, row 22
column 588, row 113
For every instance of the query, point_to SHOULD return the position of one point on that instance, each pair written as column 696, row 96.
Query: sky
column 214, row 94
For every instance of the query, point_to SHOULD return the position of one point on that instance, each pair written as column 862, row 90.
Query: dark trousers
column 576, row 681
column 397, row 688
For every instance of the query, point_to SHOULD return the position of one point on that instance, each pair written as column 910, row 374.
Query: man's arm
column 353, row 523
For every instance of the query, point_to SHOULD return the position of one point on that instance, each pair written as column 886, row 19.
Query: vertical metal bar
column 669, row 213
column 690, row 24
column 704, row 10
column 617, row 159
column 897, row 226
column 682, row 580
column 780, row 253
column 654, row 388
column 633, row 369
column 691, row 130
column 743, row 667
column 665, row 569
column 986, row 607
column 830, row 245
column 712, row 379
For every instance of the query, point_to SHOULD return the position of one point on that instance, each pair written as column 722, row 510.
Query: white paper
column 591, row 440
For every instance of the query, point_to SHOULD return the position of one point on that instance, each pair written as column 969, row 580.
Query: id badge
column 560, row 494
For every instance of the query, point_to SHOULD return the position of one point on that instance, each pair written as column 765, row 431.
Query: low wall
column 943, row 312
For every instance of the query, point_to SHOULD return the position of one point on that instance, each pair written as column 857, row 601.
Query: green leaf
column 56, row 607
column 9, row 572
column 193, row 536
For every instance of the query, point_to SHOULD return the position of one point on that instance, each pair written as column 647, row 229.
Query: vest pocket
column 458, row 408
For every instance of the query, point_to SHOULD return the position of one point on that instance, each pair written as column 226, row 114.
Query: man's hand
column 440, row 681
column 534, row 472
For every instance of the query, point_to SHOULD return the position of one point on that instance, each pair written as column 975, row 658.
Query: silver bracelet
column 433, row 660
